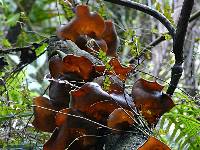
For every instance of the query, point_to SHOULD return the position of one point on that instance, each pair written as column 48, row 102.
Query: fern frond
column 181, row 127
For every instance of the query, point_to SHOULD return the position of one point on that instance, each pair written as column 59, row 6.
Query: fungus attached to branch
column 44, row 116
column 120, row 119
column 150, row 100
column 111, row 38
column 85, row 23
column 116, row 69
column 153, row 144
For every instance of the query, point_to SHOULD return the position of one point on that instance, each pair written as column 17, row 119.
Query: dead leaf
column 117, row 69
column 120, row 70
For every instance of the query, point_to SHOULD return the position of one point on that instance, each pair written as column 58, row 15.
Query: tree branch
column 194, row 16
column 162, row 38
column 14, row 31
column 148, row 47
column 179, row 43
column 178, row 35
column 148, row 10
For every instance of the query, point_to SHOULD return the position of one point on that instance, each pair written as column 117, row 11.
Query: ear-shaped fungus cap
column 153, row 144
column 111, row 38
column 68, row 129
column 97, row 103
column 85, row 23
column 44, row 116
column 71, row 64
column 149, row 99
column 120, row 119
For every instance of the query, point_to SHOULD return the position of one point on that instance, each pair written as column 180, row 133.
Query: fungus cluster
column 88, row 25
column 80, row 108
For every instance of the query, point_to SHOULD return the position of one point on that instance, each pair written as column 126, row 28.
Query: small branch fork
column 178, row 35
column 178, row 44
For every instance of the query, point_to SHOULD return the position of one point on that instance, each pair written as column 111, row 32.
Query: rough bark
column 126, row 141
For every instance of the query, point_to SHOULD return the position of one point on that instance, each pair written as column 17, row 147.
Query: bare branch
column 178, row 44
column 194, row 16
column 148, row 47
column 162, row 38
column 148, row 10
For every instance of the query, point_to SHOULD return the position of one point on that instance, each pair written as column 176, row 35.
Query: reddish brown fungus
column 56, row 66
column 91, row 45
column 68, row 129
column 44, row 114
column 117, row 69
column 120, row 119
column 149, row 99
column 153, row 144
column 111, row 38
column 97, row 103
column 79, row 65
column 84, row 23
column 121, row 71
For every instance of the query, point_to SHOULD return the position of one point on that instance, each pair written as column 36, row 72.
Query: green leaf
column 155, row 31
column 67, row 10
column 10, row 116
column 102, row 10
column 158, row 6
column 12, row 19
column 102, row 56
column 106, row 83
column 41, row 49
column 22, row 39
column 183, row 118
column 168, row 13
column 1, row 1
column 5, row 43
column 167, row 36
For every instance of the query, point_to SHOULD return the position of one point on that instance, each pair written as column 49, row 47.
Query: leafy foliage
column 165, row 9
column 181, row 124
